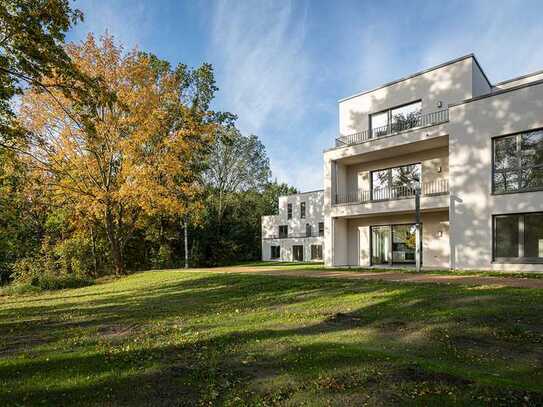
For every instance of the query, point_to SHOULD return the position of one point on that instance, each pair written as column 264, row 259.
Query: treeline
column 113, row 161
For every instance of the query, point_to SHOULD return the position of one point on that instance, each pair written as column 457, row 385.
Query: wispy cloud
column 127, row 22
column 261, row 64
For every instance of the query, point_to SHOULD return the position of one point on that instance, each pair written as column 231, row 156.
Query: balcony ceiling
column 401, row 149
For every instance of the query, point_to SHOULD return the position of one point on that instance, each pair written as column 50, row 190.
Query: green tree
column 31, row 48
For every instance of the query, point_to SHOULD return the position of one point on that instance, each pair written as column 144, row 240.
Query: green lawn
column 181, row 338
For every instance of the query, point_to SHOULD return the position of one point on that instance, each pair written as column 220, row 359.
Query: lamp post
column 418, row 237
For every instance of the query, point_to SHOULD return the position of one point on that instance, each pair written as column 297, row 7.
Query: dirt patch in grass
column 345, row 320
column 22, row 343
column 116, row 332
column 415, row 373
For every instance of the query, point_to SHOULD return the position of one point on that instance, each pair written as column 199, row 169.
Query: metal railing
column 294, row 235
column 422, row 120
column 436, row 187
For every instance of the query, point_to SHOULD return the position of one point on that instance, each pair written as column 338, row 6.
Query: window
column 395, row 182
column 316, row 252
column 302, row 210
column 298, row 253
column 275, row 252
column 396, row 119
column 283, row 231
column 289, row 211
column 308, row 230
column 321, row 228
column 393, row 244
column 518, row 238
column 518, row 162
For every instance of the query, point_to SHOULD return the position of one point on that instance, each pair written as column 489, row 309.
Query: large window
column 298, row 253
column 316, row 252
column 275, row 252
column 518, row 162
column 518, row 238
column 396, row 119
column 289, row 211
column 395, row 182
column 393, row 244
column 283, row 231
column 302, row 210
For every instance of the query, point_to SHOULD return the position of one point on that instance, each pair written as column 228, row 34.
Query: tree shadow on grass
column 422, row 332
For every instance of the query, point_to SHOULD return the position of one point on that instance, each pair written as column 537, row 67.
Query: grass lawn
column 189, row 338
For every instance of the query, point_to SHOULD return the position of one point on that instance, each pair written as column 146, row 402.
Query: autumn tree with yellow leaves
column 133, row 149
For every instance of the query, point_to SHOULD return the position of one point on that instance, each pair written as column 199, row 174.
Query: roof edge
column 452, row 61
column 304, row 193
column 518, row 78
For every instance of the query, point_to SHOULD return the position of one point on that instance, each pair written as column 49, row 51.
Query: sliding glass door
column 380, row 245
column 393, row 244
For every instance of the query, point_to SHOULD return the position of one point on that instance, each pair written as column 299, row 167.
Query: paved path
column 393, row 276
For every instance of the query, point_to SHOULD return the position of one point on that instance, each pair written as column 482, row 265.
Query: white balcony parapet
column 420, row 120
column 436, row 187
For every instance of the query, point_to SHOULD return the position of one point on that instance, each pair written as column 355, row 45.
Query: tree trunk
column 186, row 244
column 94, row 258
column 115, row 245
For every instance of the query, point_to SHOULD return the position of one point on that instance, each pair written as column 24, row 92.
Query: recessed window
column 396, row 119
column 316, row 252
column 302, row 210
column 518, row 162
column 275, row 252
column 518, row 238
column 289, row 211
column 321, row 228
column 283, row 231
column 397, row 182
column 308, row 230
column 298, row 253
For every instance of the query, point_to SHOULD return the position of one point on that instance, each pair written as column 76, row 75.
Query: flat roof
column 518, row 78
column 304, row 193
column 452, row 61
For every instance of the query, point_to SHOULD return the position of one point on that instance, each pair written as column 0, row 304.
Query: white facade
column 304, row 227
column 451, row 151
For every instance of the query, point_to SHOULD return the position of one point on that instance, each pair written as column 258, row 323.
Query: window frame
column 389, row 176
column 518, row 170
column 289, row 211
column 302, row 210
column 521, row 259
column 321, row 228
column 318, row 249
column 283, row 235
column 272, row 247
column 308, row 230
column 388, row 111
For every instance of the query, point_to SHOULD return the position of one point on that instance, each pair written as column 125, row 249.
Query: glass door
column 380, row 245
column 404, row 243
column 393, row 244
column 298, row 253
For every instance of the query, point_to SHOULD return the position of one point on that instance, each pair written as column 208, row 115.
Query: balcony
column 413, row 122
column 434, row 188
column 295, row 235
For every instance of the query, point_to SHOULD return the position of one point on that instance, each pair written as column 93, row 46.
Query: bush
column 35, row 274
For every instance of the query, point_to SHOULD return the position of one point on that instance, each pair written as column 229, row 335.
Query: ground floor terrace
column 390, row 240
column 502, row 242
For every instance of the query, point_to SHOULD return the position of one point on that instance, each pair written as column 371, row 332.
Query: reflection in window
column 518, row 162
column 395, row 182
column 519, row 238
column 506, row 235
column 396, row 119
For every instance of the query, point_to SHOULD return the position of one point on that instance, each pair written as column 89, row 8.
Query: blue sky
column 282, row 65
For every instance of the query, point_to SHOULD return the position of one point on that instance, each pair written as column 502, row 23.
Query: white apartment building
column 473, row 149
column 296, row 233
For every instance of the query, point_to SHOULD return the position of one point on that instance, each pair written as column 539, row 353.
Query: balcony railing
column 437, row 187
column 294, row 235
column 422, row 120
